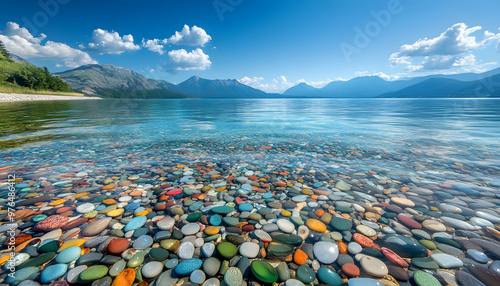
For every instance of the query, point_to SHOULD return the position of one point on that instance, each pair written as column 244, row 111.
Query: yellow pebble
column 71, row 243
column 91, row 214
column 80, row 195
column 116, row 212
column 57, row 202
column 307, row 192
column 286, row 213
column 220, row 189
column 142, row 213
column 316, row 225
column 211, row 230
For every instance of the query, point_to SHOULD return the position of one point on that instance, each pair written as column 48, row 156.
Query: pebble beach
column 8, row 97
column 227, row 211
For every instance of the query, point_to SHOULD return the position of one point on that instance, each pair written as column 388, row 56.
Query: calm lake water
column 456, row 130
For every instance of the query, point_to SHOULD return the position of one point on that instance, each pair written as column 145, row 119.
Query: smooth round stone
column 20, row 275
column 326, row 252
column 136, row 260
column 335, row 235
column 212, row 282
column 477, row 256
column 405, row 246
column 388, row 230
column 420, row 234
column 135, row 223
column 264, row 271
column 227, row 250
column 403, row 202
column 186, row 250
column 85, row 208
column 152, row 269
column 458, row 224
column 208, row 249
column 166, row 223
column 366, row 230
column 487, row 216
column 233, row 276
column 328, row 276
column 211, row 266
column 222, row 209
column 340, row 223
column 245, row 207
column 364, row 282
column 495, row 266
column 197, row 277
column 373, row 266
column 125, row 199
column 446, row 260
column 293, row 282
column 19, row 259
column 481, row 222
column 249, row 249
column 285, row 225
column 230, row 221
column 215, row 220
column 92, row 273
column 72, row 275
column 53, row 272
column 283, row 271
column 305, row 274
column 448, row 277
column 171, row 263
column 69, row 254
column 117, row 268
column 300, row 198
column 264, row 236
column 186, row 267
column 190, row 229
column 354, row 247
column 425, row 279
column 143, row 242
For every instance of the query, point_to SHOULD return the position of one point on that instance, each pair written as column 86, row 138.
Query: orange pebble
column 125, row 278
column 342, row 247
column 319, row 213
column 300, row 257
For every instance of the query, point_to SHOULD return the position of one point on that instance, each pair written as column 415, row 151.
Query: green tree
column 4, row 54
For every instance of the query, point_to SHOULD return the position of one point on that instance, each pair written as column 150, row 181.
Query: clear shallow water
column 462, row 130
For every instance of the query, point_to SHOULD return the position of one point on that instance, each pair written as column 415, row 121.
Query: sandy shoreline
column 9, row 97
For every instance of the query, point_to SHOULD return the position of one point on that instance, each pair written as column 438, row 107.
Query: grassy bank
column 25, row 90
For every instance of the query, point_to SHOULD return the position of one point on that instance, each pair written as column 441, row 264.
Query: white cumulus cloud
column 154, row 45
column 105, row 42
column 194, row 36
column 181, row 60
column 452, row 48
column 21, row 42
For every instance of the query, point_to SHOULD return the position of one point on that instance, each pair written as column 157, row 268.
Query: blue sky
column 270, row 45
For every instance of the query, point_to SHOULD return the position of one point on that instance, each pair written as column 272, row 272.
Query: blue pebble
column 317, row 184
column 245, row 207
column 215, row 220
column 135, row 223
column 187, row 266
column 328, row 276
column 477, row 255
column 100, row 208
column 53, row 272
column 131, row 207
column 364, row 282
column 196, row 206
column 267, row 195
column 495, row 266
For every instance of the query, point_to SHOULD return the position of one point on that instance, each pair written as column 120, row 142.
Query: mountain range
column 117, row 82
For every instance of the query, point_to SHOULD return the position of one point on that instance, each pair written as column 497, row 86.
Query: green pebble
column 92, row 273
